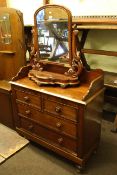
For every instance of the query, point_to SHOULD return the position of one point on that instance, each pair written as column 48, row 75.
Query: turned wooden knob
column 26, row 98
column 27, row 112
column 58, row 109
column 30, row 127
column 58, row 125
column 60, row 140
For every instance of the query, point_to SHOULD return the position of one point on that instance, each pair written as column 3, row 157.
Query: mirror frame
column 36, row 46
column 51, row 72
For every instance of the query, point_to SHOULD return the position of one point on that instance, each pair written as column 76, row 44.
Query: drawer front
column 29, row 98
column 28, row 111
column 60, row 109
column 61, row 125
column 59, row 100
column 49, row 135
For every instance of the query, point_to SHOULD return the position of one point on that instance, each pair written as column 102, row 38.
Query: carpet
column 10, row 142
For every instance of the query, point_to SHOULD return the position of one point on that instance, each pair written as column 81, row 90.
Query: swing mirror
column 52, row 52
column 53, row 34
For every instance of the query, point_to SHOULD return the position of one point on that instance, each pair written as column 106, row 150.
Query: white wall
column 102, row 40
column 78, row 7
column 89, row 7
column 27, row 7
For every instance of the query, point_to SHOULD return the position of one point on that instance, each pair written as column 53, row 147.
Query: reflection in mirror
column 52, row 29
column 5, row 31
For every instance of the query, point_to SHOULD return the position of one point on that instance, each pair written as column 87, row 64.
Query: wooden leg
column 114, row 129
column 79, row 169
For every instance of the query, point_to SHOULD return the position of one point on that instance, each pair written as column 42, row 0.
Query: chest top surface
column 88, row 87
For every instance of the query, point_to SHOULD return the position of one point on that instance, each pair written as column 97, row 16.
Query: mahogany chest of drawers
column 59, row 119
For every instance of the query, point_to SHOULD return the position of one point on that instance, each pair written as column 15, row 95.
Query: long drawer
column 62, row 125
column 48, row 135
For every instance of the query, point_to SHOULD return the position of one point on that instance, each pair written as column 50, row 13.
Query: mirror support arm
column 77, row 66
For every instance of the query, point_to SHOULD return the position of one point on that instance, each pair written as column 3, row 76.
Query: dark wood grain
column 12, row 55
column 67, row 121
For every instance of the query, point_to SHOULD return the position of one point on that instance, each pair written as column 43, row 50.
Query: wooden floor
column 10, row 142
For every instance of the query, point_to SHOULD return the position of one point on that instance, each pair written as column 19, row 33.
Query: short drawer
column 29, row 98
column 61, row 125
column 59, row 100
column 61, row 109
column 49, row 136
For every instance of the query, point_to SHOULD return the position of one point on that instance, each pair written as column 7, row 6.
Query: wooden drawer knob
column 58, row 109
column 30, row 127
column 60, row 140
column 58, row 125
column 26, row 98
column 27, row 112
